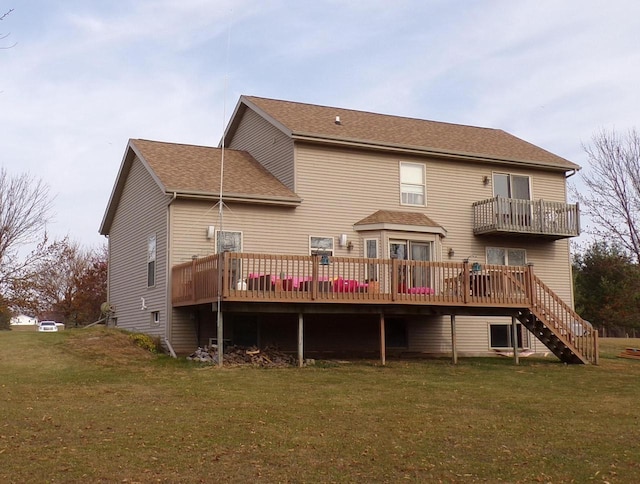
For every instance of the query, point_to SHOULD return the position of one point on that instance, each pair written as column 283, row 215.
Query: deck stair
column 558, row 327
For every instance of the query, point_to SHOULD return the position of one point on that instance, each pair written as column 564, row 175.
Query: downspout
column 169, row 306
column 573, row 302
column 108, row 320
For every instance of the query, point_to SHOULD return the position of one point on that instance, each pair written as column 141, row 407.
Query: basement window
column 500, row 336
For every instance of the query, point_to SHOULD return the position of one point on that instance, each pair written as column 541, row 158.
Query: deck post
column 315, row 260
column 193, row 278
column 466, row 281
column 226, row 273
column 514, row 339
column 454, row 348
column 531, row 294
column 394, row 278
column 383, row 343
column 300, row 340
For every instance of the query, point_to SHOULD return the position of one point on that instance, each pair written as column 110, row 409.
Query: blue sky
column 84, row 76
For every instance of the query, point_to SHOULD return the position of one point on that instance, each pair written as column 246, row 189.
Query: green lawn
column 87, row 406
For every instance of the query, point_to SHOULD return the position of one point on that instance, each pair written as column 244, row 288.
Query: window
column 511, row 186
column 151, row 261
column 155, row 318
column 514, row 206
column 500, row 336
column 411, row 276
column 371, row 252
column 412, row 184
column 506, row 257
column 231, row 242
column 228, row 241
column 320, row 245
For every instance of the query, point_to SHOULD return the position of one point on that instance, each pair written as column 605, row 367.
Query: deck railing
column 196, row 281
column 254, row 278
column 539, row 217
column 555, row 313
column 322, row 278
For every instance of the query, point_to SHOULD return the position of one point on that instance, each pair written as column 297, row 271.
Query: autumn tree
column 607, row 288
column 612, row 198
column 70, row 284
column 92, row 287
column 5, row 314
column 25, row 206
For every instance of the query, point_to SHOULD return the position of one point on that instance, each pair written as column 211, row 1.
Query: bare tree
column 25, row 205
column 613, row 181
column 2, row 35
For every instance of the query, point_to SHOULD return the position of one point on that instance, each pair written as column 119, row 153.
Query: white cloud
column 86, row 77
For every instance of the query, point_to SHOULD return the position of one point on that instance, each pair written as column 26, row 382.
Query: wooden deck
column 445, row 287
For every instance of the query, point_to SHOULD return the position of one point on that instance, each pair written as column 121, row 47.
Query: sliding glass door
column 411, row 276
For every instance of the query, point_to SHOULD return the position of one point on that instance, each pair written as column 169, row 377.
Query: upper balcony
column 499, row 215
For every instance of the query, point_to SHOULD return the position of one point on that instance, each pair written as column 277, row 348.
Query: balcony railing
column 541, row 218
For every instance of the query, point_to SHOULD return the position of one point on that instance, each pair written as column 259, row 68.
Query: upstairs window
column 511, row 186
column 151, row 261
column 412, row 184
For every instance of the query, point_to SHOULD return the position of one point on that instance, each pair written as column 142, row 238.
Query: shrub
column 144, row 341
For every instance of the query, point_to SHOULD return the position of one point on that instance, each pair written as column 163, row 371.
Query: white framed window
column 500, row 336
column 506, row 257
column 228, row 241
column 155, row 318
column 371, row 252
column 512, row 186
column 417, row 250
column 151, row 260
column 413, row 189
column 320, row 245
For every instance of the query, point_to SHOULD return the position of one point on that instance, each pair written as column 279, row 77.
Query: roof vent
column 338, row 120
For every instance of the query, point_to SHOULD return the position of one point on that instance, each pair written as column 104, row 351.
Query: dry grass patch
column 105, row 346
column 146, row 418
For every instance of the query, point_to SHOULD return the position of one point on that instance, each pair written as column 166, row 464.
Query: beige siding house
column 338, row 231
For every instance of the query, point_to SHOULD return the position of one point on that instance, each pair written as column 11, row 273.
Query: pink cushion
column 419, row 290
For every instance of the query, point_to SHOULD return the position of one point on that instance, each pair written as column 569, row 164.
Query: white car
column 47, row 326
